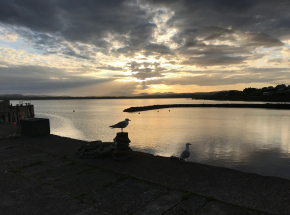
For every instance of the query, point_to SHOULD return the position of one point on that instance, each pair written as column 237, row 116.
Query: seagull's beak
column 129, row 120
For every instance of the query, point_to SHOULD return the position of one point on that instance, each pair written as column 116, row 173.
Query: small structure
column 122, row 150
column 35, row 127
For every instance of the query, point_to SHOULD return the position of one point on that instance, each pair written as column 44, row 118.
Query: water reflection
column 251, row 140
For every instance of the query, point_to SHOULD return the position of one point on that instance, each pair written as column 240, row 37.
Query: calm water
column 251, row 140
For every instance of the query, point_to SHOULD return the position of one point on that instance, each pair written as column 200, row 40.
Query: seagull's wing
column 122, row 124
column 184, row 154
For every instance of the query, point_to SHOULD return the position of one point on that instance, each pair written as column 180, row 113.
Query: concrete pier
column 9, row 113
column 282, row 106
column 43, row 175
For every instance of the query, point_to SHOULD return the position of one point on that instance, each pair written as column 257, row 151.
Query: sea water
column 250, row 140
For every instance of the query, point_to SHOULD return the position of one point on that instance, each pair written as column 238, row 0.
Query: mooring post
column 122, row 151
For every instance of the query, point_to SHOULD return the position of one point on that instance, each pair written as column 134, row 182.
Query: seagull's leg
column 121, row 129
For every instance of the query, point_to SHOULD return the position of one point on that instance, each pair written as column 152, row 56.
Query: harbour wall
column 282, row 106
column 9, row 113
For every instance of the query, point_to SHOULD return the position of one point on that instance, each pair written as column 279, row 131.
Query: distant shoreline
column 154, row 107
column 187, row 96
column 84, row 98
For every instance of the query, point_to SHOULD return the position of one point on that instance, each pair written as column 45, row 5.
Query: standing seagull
column 185, row 154
column 121, row 125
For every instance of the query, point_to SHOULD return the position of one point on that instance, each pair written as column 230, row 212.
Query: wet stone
column 86, row 182
column 40, row 199
column 142, row 200
column 12, row 153
column 4, row 168
column 109, row 197
column 10, row 182
column 188, row 206
column 61, row 172
column 92, row 211
column 220, row 208
column 100, row 193
column 162, row 204
column 126, row 194
column 22, row 162
column 44, row 166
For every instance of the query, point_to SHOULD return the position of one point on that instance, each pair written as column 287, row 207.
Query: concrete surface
column 43, row 175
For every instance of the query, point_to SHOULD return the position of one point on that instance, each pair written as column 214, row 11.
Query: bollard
column 122, row 151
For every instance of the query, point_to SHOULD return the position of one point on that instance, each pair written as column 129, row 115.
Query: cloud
column 261, row 39
column 7, row 34
column 107, row 67
column 81, row 43
column 51, row 23
column 145, row 70
column 239, row 15
column 286, row 52
column 279, row 61
column 214, row 61
column 157, row 49
column 212, row 80
column 223, row 77
column 27, row 79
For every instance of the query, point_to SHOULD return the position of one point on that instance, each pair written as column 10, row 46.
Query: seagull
column 185, row 154
column 122, row 124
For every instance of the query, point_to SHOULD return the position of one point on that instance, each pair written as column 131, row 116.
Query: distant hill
column 280, row 93
column 121, row 96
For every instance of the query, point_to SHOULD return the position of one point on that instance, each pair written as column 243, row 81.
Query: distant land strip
column 154, row 107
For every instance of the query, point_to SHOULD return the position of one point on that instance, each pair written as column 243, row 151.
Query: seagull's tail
column 112, row 126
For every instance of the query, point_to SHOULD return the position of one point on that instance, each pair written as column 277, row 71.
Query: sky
column 131, row 47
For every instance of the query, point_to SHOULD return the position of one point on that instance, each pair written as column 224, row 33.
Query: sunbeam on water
column 62, row 126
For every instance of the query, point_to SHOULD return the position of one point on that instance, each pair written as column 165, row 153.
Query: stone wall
column 11, row 114
column 4, row 104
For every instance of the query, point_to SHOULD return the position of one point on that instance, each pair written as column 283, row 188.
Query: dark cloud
column 145, row 70
column 264, row 16
column 226, row 77
column 28, row 79
column 214, row 60
column 35, row 15
column 203, row 33
column 112, row 68
column 52, row 22
column 141, row 34
column 88, row 22
column 217, row 33
column 146, row 73
column 155, row 49
column 261, row 39
column 213, row 80
column 76, row 20
column 214, row 55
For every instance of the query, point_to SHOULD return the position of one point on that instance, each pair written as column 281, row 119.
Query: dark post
column 122, row 151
